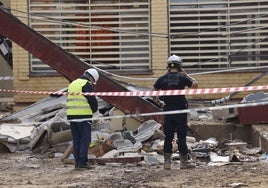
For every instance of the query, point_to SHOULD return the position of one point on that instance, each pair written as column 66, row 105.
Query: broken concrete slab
column 259, row 135
column 55, row 130
column 34, row 112
column 122, row 123
column 219, row 130
column 255, row 135
column 16, row 131
column 224, row 114
column 111, row 154
column 15, row 136
column 122, row 143
column 146, row 130
column 134, row 148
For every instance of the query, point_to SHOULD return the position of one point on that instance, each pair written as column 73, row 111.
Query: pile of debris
column 43, row 128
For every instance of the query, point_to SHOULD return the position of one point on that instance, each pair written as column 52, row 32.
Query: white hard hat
column 174, row 58
column 94, row 73
column 174, row 61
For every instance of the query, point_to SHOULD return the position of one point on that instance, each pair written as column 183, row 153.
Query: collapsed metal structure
column 69, row 66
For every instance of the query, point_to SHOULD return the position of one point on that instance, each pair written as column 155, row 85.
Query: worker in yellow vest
column 80, row 109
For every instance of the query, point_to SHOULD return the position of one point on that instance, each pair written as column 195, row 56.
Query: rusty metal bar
column 69, row 66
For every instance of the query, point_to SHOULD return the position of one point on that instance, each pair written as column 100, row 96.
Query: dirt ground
column 29, row 170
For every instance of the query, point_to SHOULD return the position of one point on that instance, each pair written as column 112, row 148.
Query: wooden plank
column 103, row 161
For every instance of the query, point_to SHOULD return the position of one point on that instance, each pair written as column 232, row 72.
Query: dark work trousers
column 176, row 123
column 81, row 134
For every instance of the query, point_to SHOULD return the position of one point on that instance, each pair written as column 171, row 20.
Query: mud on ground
column 28, row 170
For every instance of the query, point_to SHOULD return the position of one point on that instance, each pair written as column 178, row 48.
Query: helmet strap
column 91, row 79
column 88, row 76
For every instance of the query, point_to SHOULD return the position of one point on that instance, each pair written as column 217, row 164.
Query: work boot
column 84, row 167
column 167, row 161
column 185, row 164
column 75, row 166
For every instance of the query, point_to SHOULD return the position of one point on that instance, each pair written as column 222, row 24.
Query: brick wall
column 24, row 81
column 22, row 78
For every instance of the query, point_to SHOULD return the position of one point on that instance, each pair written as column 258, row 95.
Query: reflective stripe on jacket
column 77, row 104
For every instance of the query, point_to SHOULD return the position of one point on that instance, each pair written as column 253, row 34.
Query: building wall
column 24, row 81
column 159, row 45
column 160, row 54
column 22, row 78
column 5, row 72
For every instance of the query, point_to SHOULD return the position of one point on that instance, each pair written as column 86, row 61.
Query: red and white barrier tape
column 150, row 93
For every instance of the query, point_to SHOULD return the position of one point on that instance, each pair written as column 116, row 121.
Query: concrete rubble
column 43, row 128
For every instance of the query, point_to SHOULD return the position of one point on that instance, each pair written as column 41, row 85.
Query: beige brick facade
column 159, row 45
column 22, row 78
column 159, row 52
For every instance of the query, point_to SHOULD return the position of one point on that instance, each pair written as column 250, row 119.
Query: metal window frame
column 120, row 48
column 235, row 37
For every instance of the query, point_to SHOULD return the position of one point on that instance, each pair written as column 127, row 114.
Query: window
column 219, row 33
column 111, row 34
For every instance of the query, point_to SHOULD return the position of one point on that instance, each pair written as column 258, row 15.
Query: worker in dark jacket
column 80, row 109
column 176, row 78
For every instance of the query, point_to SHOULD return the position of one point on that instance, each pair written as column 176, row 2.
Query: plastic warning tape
column 149, row 93
column 202, row 109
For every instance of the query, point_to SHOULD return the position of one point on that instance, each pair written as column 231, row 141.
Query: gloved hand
column 159, row 103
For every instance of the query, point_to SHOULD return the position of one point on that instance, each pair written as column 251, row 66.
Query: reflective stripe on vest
column 77, row 104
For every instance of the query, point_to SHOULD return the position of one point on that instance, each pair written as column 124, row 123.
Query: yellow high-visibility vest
column 77, row 104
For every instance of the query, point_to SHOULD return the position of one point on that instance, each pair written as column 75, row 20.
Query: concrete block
column 219, row 130
column 223, row 114
column 259, row 135
column 121, row 123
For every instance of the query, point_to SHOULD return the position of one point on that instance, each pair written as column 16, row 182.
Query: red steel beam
column 69, row 66
column 253, row 114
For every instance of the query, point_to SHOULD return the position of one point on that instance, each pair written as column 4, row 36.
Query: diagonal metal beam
column 69, row 66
